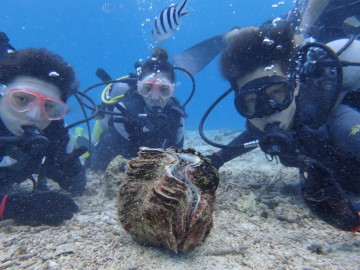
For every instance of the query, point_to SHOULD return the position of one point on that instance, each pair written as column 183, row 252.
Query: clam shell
column 167, row 198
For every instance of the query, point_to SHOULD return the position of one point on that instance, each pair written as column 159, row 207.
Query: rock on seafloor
column 113, row 176
column 167, row 198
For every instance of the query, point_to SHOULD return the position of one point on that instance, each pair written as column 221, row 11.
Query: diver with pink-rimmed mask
column 36, row 84
column 146, row 113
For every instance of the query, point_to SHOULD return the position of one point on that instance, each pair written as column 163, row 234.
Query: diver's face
column 14, row 120
column 156, row 90
column 284, row 117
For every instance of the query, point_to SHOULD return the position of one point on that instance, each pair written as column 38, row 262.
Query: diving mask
column 264, row 96
column 155, row 88
column 24, row 100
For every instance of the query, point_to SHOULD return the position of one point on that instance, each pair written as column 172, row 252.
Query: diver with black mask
column 295, row 112
column 34, row 142
column 138, row 111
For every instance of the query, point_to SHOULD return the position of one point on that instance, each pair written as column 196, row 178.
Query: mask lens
column 165, row 90
column 146, row 89
column 21, row 101
column 280, row 93
column 250, row 101
column 264, row 96
column 54, row 109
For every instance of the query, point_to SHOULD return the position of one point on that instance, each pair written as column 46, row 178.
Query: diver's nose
column 34, row 113
column 154, row 94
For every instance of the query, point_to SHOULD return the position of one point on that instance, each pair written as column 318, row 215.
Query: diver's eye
column 55, row 109
column 146, row 89
column 50, row 107
column 20, row 100
column 250, row 102
column 165, row 91
column 278, row 93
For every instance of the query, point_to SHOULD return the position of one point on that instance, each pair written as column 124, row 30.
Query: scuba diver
column 335, row 22
column 140, row 111
column 295, row 112
column 33, row 139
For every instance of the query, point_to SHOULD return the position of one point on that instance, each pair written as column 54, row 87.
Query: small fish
column 168, row 21
column 108, row 7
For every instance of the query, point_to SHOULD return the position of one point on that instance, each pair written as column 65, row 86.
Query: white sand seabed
column 260, row 222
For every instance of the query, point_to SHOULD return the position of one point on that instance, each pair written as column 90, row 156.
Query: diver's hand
column 313, row 56
column 325, row 198
column 75, row 185
column 50, row 208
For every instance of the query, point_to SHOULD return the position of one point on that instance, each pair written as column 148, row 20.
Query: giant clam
column 167, row 198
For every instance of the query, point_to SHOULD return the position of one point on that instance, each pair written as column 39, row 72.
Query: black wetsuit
column 124, row 137
column 67, row 172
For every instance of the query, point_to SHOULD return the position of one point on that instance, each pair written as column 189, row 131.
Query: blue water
column 88, row 38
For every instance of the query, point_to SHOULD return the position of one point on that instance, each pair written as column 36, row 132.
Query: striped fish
column 168, row 21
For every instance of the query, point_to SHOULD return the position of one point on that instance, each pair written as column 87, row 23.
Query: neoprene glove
column 326, row 199
column 75, row 185
column 50, row 208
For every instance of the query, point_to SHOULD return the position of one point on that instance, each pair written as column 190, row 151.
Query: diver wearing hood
column 147, row 115
column 301, row 120
column 33, row 139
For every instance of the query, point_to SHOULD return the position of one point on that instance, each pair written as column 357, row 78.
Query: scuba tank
column 348, row 54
